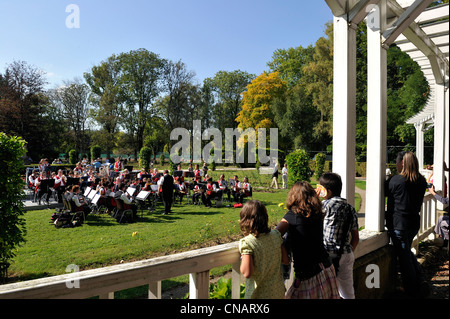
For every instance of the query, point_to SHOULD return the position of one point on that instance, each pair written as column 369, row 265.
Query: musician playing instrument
column 236, row 190
column 40, row 191
column 197, row 174
column 180, row 189
column 211, row 191
column 118, row 165
column 80, row 202
column 244, row 191
column 127, row 200
column 197, row 193
column 32, row 179
column 223, row 185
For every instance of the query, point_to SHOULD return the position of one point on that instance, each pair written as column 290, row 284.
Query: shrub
column 320, row 165
column 96, row 152
column 145, row 157
column 298, row 166
column 73, row 157
column 12, row 225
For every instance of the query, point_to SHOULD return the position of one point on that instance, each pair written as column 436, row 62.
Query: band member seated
column 180, row 189
column 197, row 174
column 60, row 184
column 141, row 173
column 223, row 185
column 178, row 174
column 80, row 203
column 118, row 165
column 197, row 193
column 78, row 170
column 126, row 199
column 245, row 191
column 236, row 190
column 41, row 189
column 211, row 191
column 32, row 179
column 156, row 176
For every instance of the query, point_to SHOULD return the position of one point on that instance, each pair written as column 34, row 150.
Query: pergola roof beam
column 359, row 12
column 404, row 20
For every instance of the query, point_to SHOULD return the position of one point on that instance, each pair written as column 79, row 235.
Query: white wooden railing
column 428, row 219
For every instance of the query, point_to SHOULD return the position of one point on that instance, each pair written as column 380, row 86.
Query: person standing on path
column 405, row 194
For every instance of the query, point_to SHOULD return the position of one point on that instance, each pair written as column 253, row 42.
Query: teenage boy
column 341, row 234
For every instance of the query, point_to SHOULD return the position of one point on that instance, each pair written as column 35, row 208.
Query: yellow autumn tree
column 256, row 110
column 257, row 101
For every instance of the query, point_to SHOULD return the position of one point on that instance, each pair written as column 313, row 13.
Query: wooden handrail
column 104, row 281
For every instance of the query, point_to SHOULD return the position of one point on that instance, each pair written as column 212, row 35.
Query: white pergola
column 418, row 31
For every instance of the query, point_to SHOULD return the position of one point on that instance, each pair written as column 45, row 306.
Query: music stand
column 188, row 174
column 92, row 194
column 72, row 181
column 95, row 199
column 48, row 182
column 131, row 190
column 87, row 191
column 178, row 174
column 142, row 196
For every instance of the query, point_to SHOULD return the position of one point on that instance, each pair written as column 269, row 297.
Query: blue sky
column 207, row 35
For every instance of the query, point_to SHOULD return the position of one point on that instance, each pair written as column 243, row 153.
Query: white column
column 344, row 99
column 439, row 139
column 419, row 143
column 376, row 119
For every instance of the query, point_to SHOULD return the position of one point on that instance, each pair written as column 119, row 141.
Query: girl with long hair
column 405, row 193
column 315, row 277
column 262, row 254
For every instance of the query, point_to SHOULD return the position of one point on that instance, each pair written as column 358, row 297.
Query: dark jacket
column 404, row 203
column 167, row 187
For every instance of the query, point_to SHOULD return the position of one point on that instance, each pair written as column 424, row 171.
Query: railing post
column 199, row 285
column 154, row 290
column 236, row 281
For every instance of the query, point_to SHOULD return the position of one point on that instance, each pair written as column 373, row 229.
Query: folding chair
column 121, row 212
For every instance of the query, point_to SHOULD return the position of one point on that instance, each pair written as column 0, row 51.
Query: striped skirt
column 321, row 286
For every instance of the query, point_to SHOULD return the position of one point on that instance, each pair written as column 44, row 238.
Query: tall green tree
column 25, row 109
column 226, row 88
column 72, row 100
column 289, row 63
column 106, row 98
column 141, row 84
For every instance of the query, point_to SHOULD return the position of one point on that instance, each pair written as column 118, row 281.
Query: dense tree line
column 135, row 99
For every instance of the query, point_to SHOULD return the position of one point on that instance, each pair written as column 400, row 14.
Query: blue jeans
column 411, row 272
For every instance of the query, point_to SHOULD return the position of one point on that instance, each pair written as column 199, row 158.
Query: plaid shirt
column 336, row 209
